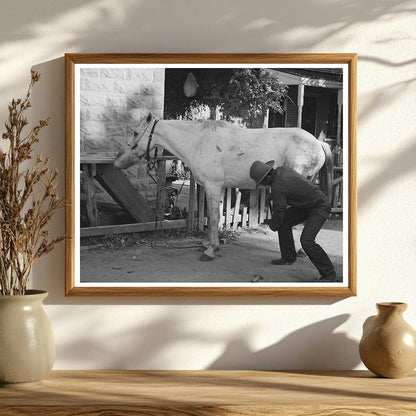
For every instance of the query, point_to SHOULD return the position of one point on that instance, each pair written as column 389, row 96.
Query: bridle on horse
column 149, row 140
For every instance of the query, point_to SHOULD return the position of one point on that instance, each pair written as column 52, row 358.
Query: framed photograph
column 211, row 174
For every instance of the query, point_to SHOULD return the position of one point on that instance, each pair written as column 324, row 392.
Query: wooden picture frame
column 97, row 101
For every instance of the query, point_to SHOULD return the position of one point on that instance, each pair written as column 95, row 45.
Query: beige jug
column 388, row 345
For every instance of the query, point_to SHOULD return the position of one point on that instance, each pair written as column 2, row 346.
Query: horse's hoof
column 202, row 248
column 205, row 257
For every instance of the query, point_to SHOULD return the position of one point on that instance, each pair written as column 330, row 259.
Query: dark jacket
column 290, row 188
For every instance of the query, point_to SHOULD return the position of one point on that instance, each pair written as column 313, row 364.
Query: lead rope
column 151, row 165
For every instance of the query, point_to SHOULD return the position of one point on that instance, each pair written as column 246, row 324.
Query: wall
column 111, row 98
column 198, row 333
column 112, row 102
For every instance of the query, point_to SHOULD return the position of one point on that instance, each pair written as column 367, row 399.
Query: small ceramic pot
column 27, row 347
column 388, row 345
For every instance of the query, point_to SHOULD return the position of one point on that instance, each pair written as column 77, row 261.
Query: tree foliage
column 237, row 92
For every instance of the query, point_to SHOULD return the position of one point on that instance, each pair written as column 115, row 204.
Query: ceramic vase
column 27, row 347
column 388, row 345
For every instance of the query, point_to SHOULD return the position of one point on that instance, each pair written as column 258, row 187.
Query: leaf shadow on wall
column 48, row 100
column 146, row 22
column 316, row 346
column 151, row 345
column 147, row 345
column 393, row 167
column 104, row 26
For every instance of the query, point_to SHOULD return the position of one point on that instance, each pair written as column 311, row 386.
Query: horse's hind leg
column 213, row 207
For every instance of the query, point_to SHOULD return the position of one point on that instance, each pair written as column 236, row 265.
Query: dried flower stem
column 23, row 218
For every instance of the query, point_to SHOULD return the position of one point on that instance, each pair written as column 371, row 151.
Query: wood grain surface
column 204, row 393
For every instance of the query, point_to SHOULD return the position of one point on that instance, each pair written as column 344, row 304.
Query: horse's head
column 140, row 145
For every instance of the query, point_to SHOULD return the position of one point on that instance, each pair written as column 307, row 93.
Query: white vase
column 27, row 346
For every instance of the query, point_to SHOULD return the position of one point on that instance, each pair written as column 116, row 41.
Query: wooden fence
column 233, row 212
column 232, row 216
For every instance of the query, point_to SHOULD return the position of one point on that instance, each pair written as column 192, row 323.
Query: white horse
column 220, row 154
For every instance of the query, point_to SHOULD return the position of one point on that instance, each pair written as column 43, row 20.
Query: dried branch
column 23, row 218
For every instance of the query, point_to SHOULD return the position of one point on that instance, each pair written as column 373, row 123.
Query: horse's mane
column 214, row 124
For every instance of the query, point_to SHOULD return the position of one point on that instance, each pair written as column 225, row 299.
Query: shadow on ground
column 244, row 258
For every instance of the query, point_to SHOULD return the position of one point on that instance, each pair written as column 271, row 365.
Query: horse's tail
column 326, row 173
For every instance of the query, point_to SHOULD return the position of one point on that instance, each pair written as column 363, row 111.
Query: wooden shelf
column 203, row 393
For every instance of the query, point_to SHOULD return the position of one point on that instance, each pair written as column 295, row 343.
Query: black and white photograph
column 209, row 176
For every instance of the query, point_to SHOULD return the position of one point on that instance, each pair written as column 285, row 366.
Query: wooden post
column 191, row 204
column 236, row 209
column 301, row 93
column 91, row 203
column 161, row 192
column 266, row 119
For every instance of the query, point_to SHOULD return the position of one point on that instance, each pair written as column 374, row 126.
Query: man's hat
column 259, row 170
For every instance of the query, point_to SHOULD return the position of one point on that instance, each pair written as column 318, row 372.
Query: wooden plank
column 228, row 213
column 178, row 410
column 191, row 204
column 253, row 219
column 221, row 222
column 98, row 158
column 335, row 196
column 89, row 187
column 124, row 193
column 108, row 205
column 236, row 215
column 214, row 392
column 132, row 228
column 262, row 208
column 268, row 210
column 108, row 159
column 244, row 220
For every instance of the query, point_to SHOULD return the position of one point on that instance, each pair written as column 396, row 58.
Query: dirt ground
column 244, row 256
